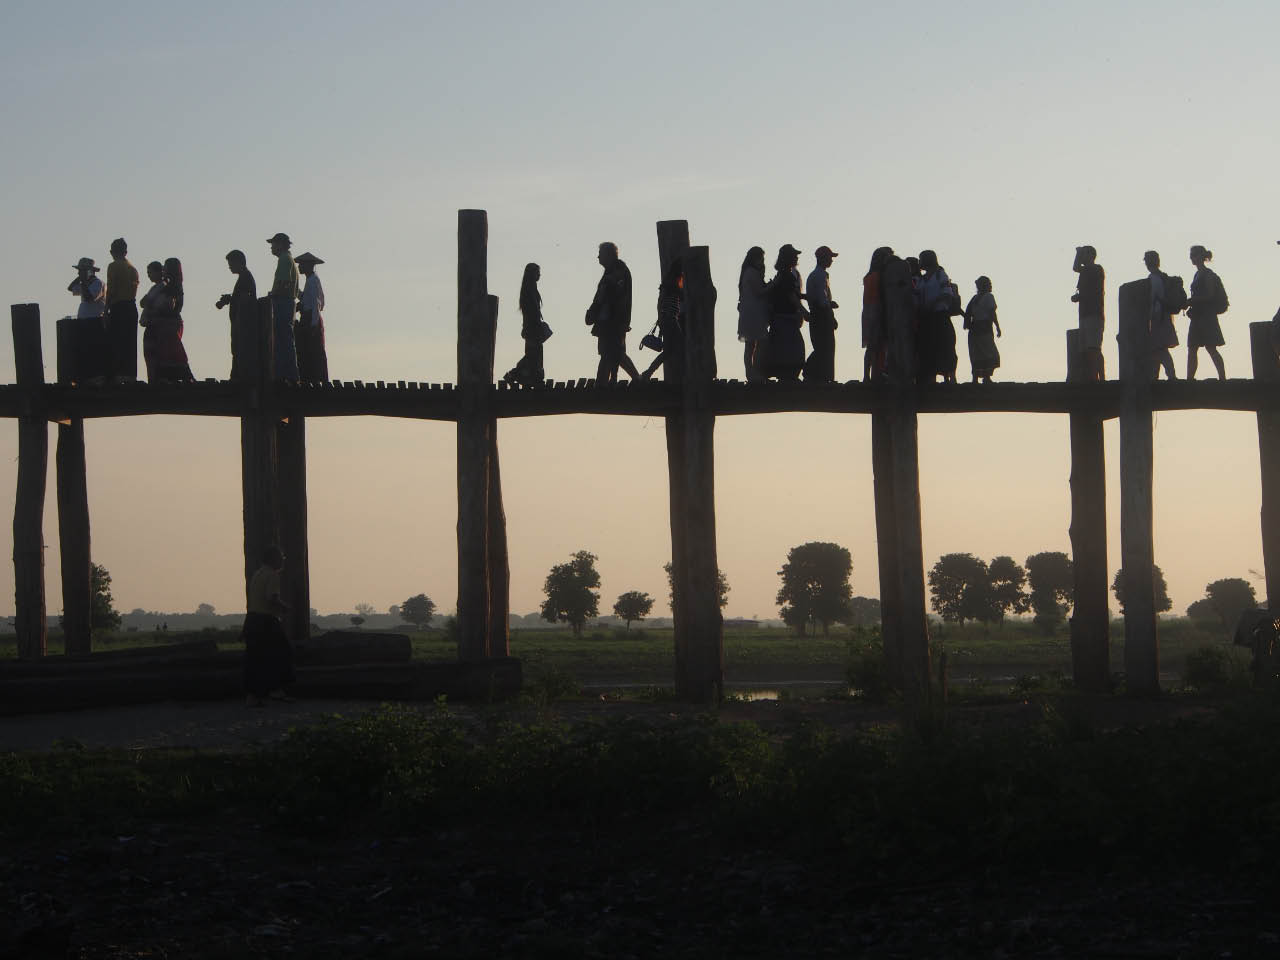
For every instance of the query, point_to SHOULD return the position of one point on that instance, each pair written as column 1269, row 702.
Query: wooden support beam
column 886, row 543
column 1266, row 371
column 475, row 438
column 905, row 479
column 73, row 514
column 33, row 465
column 295, row 585
column 258, row 441
column 1137, row 550
column 673, row 241
column 497, row 562
column 703, row 678
column 1091, row 616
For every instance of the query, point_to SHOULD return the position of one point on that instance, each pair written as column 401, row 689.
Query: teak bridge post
column 33, row 464
column 1137, row 550
column 1091, row 616
column 258, row 442
column 1266, row 370
column 73, row 511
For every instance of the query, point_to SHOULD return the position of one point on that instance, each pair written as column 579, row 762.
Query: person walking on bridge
column 243, row 301
column 284, row 297
column 1207, row 298
column 122, row 314
column 313, row 363
column 609, row 317
column 821, row 365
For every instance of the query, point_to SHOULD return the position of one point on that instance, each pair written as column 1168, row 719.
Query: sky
column 1001, row 135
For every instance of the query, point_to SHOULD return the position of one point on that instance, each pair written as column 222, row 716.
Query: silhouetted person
column 980, row 320
column 1161, row 332
column 122, row 314
column 152, row 300
column 529, row 371
column 168, row 362
column 268, row 660
column 313, row 363
column 610, row 317
column 821, row 365
column 91, row 344
column 1090, row 295
column 875, row 325
column 786, row 314
column 935, row 336
column 753, row 314
column 670, row 324
column 1206, row 299
column 284, row 296
column 243, row 301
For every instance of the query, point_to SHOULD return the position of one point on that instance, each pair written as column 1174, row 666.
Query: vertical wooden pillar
column 703, row 679
column 73, row 513
column 904, row 477
column 497, row 562
column 475, row 369
column 1266, row 370
column 295, row 587
column 33, row 465
column 886, row 543
column 258, row 441
column 1091, row 616
column 673, row 241
column 1137, row 550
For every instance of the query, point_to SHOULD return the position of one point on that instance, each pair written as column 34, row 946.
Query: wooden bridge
column 273, row 419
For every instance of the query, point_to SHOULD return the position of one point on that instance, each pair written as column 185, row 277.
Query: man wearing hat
column 89, row 345
column 821, row 365
column 284, row 295
column 122, row 314
column 91, row 291
column 313, row 365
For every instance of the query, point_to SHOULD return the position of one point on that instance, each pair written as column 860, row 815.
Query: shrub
column 866, row 672
column 1207, row 667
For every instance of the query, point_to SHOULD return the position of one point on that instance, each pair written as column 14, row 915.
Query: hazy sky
column 1000, row 134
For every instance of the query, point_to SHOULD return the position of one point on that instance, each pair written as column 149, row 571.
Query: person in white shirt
column 313, row 364
column 91, row 291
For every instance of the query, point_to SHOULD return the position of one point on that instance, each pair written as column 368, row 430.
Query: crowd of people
column 106, row 347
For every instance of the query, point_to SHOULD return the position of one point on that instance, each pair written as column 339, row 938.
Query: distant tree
column 863, row 611
column 205, row 610
column 1008, row 587
column 570, row 592
column 366, row 610
column 1052, row 580
column 102, row 612
column 960, row 587
column 1202, row 611
column 356, row 619
column 815, row 585
column 1162, row 600
column 632, row 605
column 722, row 588
column 393, row 611
column 418, row 610
column 1229, row 598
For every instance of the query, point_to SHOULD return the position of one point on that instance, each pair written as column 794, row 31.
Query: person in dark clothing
column 122, row 314
column 168, row 359
column 268, row 660
column 243, row 301
column 753, row 314
column 821, row 365
column 1090, row 294
column 936, row 336
column 786, row 342
column 528, row 371
column 983, row 326
column 670, row 324
column 1206, row 299
column 875, row 326
column 609, row 317
column 1162, row 334
column 308, row 332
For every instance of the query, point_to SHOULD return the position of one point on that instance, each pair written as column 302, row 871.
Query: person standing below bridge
column 609, row 317
column 1207, row 298
column 243, row 301
column 980, row 320
column 122, row 314
column 1162, row 334
column 313, row 363
column 821, row 365
column 268, row 660
column 1090, row 295
column 284, row 297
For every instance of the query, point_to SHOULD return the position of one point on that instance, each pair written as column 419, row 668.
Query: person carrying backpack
column 1167, row 298
column 1207, row 301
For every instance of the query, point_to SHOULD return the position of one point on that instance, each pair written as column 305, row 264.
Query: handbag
column 544, row 331
column 652, row 340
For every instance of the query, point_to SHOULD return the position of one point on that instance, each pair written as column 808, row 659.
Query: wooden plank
column 33, row 465
column 1137, row 551
column 1091, row 616
column 1266, row 372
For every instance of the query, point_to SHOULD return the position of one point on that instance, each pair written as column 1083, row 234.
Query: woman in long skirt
column 167, row 358
column 786, row 343
column 753, row 313
column 980, row 320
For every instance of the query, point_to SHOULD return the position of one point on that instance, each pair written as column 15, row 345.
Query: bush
column 1206, row 668
column 866, row 672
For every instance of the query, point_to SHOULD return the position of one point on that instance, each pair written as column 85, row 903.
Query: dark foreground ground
column 939, row 850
